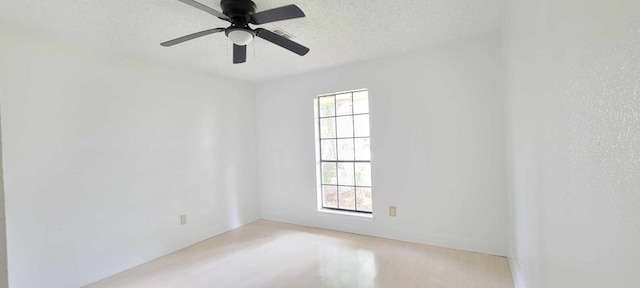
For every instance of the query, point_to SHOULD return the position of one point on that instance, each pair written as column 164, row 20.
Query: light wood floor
column 272, row 254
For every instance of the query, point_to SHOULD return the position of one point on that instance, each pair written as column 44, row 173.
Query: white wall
column 102, row 155
column 437, row 137
column 573, row 114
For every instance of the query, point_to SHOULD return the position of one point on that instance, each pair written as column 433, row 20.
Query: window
column 344, row 158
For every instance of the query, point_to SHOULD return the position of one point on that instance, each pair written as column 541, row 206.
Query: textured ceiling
column 337, row 31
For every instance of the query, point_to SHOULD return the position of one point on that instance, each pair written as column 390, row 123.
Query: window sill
column 353, row 215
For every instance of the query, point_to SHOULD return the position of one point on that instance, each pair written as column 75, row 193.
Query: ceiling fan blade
column 191, row 36
column 239, row 54
column 281, row 41
column 277, row 14
column 206, row 9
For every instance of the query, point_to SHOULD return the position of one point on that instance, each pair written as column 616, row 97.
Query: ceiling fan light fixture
column 240, row 37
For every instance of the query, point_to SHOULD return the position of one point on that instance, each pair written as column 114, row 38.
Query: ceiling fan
column 241, row 13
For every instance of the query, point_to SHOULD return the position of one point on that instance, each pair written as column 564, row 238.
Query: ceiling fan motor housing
column 238, row 10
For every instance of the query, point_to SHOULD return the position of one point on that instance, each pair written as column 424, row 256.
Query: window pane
column 343, row 104
column 363, row 174
column 345, row 174
column 347, row 197
column 328, row 128
column 361, row 102
column 330, row 196
column 329, row 151
column 362, row 149
column 327, row 106
column 345, row 126
column 345, row 149
column 363, row 199
column 329, row 173
column 361, row 123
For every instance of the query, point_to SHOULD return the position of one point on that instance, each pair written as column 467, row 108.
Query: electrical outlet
column 183, row 219
column 392, row 211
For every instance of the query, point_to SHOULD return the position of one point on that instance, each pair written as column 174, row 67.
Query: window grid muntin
column 358, row 114
column 337, row 161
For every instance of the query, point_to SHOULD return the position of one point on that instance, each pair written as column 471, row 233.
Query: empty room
column 290, row 143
